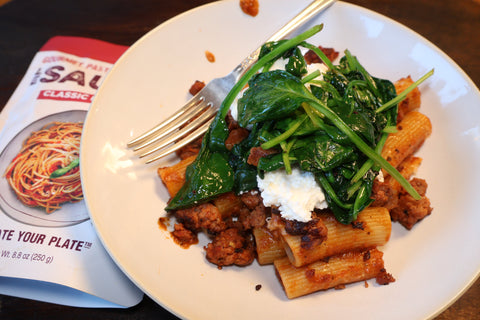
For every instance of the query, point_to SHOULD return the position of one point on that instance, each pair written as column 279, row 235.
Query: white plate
column 433, row 263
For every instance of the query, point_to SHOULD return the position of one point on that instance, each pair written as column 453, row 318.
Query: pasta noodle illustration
column 45, row 173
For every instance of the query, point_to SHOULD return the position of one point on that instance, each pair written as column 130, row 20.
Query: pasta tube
column 371, row 229
column 411, row 134
column 173, row 177
column 324, row 274
column 413, row 99
column 228, row 204
column 268, row 247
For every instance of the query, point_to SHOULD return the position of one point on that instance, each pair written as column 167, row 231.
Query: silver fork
column 194, row 118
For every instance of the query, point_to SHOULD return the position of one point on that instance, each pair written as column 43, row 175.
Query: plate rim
column 181, row 16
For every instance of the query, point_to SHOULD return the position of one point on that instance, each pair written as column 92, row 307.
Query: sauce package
column 49, row 250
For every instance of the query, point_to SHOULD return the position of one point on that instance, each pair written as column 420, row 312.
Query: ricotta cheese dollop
column 295, row 194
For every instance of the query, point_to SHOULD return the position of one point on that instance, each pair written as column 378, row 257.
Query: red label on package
column 66, row 95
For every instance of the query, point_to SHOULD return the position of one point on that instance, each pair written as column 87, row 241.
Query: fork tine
column 194, row 135
column 194, row 101
column 197, row 122
column 162, row 133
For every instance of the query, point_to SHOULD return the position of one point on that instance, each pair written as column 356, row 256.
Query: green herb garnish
column 335, row 128
column 62, row 171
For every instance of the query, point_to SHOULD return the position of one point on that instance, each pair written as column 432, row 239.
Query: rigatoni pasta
column 413, row 99
column 371, row 229
column 228, row 203
column 412, row 132
column 173, row 177
column 269, row 248
column 338, row 270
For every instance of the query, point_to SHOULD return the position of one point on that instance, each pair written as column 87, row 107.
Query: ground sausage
column 236, row 136
column 203, row 216
column 256, row 153
column 196, row 87
column 384, row 278
column 249, row 7
column 312, row 232
column 251, row 199
column 191, row 149
column 410, row 211
column 230, row 247
column 312, row 57
column 183, row 236
column 255, row 218
column 384, row 195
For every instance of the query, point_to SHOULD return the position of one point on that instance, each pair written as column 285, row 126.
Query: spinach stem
column 316, row 120
column 390, row 129
column 282, row 137
column 286, row 154
column 404, row 93
column 353, row 188
column 320, row 54
column 311, row 76
column 360, row 199
column 369, row 163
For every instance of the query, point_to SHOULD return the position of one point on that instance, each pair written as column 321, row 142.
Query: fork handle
column 312, row 9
